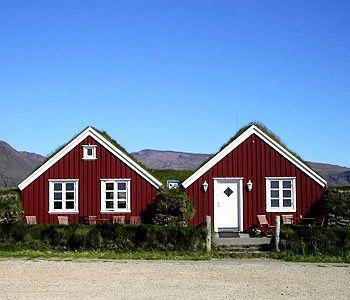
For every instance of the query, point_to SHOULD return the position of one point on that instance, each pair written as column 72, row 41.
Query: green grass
column 106, row 254
column 164, row 175
column 319, row 258
column 342, row 188
column 10, row 191
column 160, row 255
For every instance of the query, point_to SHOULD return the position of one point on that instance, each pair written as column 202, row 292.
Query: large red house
column 90, row 176
column 254, row 174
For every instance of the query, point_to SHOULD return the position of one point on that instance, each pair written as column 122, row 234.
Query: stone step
column 233, row 248
column 253, row 254
column 239, row 252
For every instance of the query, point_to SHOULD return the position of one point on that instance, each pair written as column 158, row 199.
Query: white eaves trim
column 105, row 143
column 235, row 143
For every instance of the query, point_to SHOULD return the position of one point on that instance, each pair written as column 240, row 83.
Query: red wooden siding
column 72, row 166
column 255, row 160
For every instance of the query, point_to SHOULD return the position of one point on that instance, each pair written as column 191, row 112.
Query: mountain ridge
column 17, row 165
column 168, row 159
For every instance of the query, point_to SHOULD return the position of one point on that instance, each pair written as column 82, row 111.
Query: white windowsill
column 281, row 210
column 63, row 212
column 115, row 212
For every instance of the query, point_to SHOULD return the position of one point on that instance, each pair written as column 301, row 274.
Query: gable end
column 267, row 139
column 105, row 143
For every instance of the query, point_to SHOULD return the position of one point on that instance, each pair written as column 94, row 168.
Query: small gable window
column 89, row 152
column 280, row 194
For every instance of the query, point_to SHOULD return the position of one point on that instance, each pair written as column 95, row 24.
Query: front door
column 227, row 204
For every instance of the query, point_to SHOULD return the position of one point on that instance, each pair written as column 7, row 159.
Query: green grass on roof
column 264, row 129
column 267, row 131
column 106, row 136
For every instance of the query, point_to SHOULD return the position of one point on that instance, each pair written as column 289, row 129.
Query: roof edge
column 266, row 138
column 90, row 131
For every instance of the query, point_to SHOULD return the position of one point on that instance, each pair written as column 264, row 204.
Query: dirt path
column 224, row 279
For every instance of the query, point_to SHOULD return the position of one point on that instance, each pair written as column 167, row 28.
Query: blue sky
column 178, row 75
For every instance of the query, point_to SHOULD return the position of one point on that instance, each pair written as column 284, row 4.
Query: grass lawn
column 319, row 258
column 105, row 254
column 159, row 255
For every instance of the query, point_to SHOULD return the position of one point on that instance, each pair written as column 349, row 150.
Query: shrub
column 171, row 207
column 315, row 240
column 338, row 202
column 103, row 236
column 10, row 206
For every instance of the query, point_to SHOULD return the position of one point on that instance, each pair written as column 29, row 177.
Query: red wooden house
column 253, row 174
column 89, row 176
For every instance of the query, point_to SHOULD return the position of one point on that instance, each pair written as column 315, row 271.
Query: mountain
column 161, row 160
column 156, row 159
column 15, row 165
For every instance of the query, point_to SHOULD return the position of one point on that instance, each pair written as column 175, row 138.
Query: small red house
column 89, row 176
column 254, row 174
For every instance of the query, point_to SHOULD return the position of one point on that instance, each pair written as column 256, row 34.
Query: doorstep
column 238, row 238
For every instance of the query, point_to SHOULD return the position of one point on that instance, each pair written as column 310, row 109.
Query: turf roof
column 263, row 128
column 107, row 137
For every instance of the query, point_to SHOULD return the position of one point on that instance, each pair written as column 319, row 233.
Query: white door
column 227, row 204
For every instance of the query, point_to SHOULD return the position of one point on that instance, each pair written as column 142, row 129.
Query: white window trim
column 89, row 157
column 51, row 197
column 280, row 209
column 103, row 194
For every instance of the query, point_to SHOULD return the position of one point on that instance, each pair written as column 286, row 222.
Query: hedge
column 102, row 236
column 314, row 240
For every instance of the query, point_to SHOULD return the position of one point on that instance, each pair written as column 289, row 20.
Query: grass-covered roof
column 108, row 138
column 263, row 128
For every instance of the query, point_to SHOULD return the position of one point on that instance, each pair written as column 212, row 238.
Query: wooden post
column 208, row 240
column 277, row 233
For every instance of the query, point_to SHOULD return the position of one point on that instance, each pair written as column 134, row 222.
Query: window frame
column 115, row 190
column 52, row 210
column 85, row 152
column 293, row 198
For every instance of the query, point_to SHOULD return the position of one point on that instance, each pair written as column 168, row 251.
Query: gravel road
column 216, row 279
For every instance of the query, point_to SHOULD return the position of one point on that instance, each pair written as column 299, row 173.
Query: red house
column 89, row 176
column 253, row 174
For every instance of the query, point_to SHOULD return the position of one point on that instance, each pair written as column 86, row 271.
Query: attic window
column 89, row 152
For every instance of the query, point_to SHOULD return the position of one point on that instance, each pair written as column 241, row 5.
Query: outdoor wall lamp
column 205, row 186
column 249, row 185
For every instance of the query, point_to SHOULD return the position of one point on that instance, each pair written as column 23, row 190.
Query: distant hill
column 156, row 159
column 161, row 160
column 15, row 165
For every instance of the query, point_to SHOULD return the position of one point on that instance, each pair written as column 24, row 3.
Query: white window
column 89, row 152
column 63, row 196
column 115, row 195
column 280, row 194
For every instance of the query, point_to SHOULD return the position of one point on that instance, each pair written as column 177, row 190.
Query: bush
column 171, row 207
column 314, row 240
column 338, row 202
column 103, row 236
column 10, row 206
